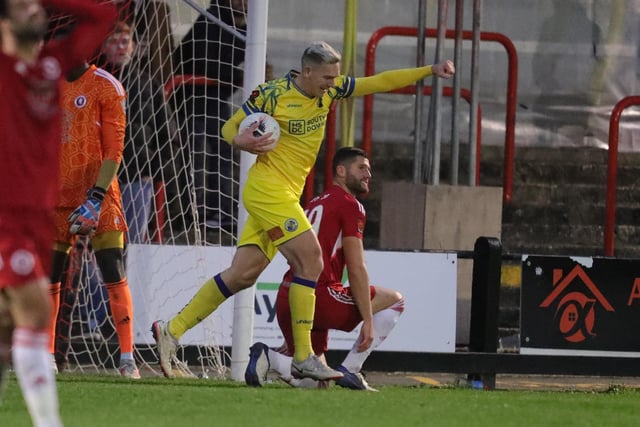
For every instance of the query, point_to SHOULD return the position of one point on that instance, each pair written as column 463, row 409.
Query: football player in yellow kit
column 300, row 102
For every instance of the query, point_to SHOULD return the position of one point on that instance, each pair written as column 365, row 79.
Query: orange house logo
column 575, row 310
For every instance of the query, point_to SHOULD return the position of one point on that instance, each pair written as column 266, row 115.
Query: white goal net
column 183, row 76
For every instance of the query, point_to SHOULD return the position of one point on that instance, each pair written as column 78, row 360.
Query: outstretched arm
column 396, row 79
column 444, row 69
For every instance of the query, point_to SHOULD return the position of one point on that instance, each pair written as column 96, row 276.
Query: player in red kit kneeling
column 338, row 218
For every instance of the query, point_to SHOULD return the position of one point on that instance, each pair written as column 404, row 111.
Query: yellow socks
column 302, row 303
column 212, row 293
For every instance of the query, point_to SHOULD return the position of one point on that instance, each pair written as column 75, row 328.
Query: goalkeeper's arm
column 396, row 79
column 107, row 173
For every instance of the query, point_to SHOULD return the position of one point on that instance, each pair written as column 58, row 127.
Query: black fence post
column 485, row 301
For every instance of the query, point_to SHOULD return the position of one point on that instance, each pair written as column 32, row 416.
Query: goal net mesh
column 182, row 78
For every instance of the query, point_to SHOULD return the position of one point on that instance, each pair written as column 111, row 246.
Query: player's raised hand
column 84, row 220
column 444, row 69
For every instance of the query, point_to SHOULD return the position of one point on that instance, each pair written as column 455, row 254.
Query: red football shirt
column 30, row 113
column 334, row 215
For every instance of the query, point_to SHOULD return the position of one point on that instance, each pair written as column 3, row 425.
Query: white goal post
column 255, row 59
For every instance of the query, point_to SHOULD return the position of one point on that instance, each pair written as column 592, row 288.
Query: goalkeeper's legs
column 54, row 294
column 122, row 312
column 111, row 263
column 60, row 255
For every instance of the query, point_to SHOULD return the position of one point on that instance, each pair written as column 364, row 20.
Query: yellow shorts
column 274, row 218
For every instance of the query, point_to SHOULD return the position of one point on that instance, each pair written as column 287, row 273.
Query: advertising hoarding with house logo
column 579, row 306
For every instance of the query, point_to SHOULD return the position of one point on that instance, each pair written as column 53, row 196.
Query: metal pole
column 419, row 105
column 436, row 96
column 457, row 59
column 475, row 89
column 347, row 106
column 485, row 299
column 254, row 66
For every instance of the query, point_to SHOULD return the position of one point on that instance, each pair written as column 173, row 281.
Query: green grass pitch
column 92, row 400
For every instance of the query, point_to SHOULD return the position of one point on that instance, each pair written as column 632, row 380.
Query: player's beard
column 357, row 186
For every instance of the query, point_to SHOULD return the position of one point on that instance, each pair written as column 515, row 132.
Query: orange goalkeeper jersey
column 93, row 129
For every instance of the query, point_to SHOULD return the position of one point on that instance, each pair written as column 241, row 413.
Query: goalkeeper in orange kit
column 90, row 202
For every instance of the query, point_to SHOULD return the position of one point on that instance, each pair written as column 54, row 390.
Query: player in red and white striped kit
column 30, row 74
column 338, row 219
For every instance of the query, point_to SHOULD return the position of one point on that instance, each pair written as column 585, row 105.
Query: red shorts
column 335, row 309
column 25, row 247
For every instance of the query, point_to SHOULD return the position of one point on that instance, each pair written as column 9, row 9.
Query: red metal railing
column 329, row 149
column 186, row 79
column 512, row 80
column 330, row 146
column 612, row 170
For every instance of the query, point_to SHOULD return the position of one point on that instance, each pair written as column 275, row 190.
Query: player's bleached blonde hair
column 320, row 53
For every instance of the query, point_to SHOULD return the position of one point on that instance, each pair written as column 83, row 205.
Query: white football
column 266, row 124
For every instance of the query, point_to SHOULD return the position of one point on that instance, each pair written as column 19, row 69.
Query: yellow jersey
column 302, row 123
